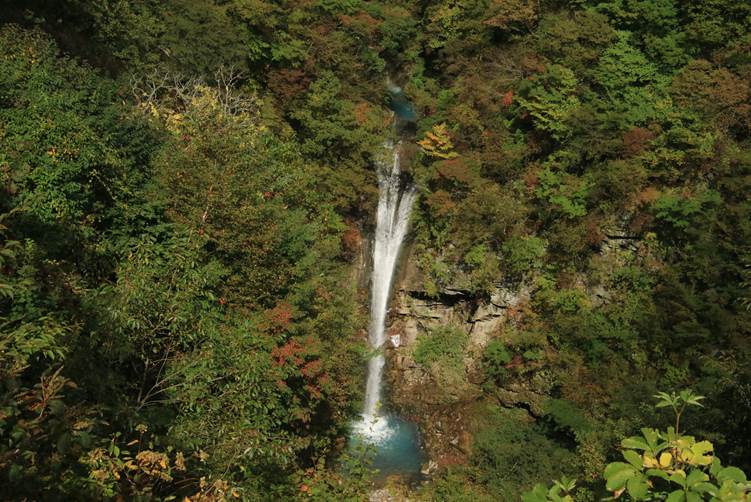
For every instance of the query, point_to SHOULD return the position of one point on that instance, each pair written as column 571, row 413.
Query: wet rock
column 429, row 468
column 386, row 495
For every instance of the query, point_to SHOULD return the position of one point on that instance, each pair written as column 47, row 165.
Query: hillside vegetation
column 186, row 185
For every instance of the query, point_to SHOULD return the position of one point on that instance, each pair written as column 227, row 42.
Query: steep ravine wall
column 445, row 410
column 442, row 409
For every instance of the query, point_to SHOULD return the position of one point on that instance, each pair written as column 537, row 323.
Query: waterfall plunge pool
column 393, row 444
column 401, row 105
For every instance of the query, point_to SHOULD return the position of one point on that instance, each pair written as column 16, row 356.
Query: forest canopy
column 187, row 188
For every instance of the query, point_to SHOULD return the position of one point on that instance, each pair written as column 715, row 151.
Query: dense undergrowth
column 183, row 188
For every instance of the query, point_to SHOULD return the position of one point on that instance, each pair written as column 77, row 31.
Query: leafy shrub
column 663, row 465
column 444, row 345
column 495, row 359
column 533, row 355
column 566, row 416
column 550, row 100
column 513, row 452
column 680, row 211
column 484, row 269
column 522, row 254
column 453, row 486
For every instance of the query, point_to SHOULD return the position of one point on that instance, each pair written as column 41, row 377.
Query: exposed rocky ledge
column 440, row 408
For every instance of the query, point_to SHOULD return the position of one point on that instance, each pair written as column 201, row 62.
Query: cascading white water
column 394, row 207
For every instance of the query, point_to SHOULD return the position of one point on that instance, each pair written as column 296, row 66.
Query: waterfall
column 392, row 219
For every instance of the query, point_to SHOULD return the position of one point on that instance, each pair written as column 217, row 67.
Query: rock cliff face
column 438, row 405
column 445, row 408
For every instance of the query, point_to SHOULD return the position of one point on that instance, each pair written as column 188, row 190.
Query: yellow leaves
column 82, row 424
column 180, row 461
column 152, row 110
column 174, row 122
column 683, row 451
column 665, row 461
column 678, row 472
column 154, row 464
column 98, row 475
column 205, row 97
column 698, row 454
column 218, row 490
column 437, row 143
column 650, row 462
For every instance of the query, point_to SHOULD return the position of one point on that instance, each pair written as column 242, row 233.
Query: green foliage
column 577, row 37
column 512, row 453
column 166, row 266
column 453, row 486
column 330, row 125
column 135, row 34
column 168, row 274
column 666, row 465
column 484, row 267
column 444, row 346
column 495, row 358
column 630, row 82
column 566, row 193
column 678, row 402
column 58, row 132
column 523, row 255
column 622, row 68
column 679, row 211
column 673, row 465
column 567, row 417
column 560, row 491
column 177, row 308
column 551, row 100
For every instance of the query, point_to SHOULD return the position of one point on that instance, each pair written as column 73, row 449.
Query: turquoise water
column 394, row 447
column 403, row 108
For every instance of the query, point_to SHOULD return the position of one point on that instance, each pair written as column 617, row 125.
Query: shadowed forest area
column 187, row 189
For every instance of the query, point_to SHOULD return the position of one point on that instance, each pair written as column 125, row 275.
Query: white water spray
column 394, row 207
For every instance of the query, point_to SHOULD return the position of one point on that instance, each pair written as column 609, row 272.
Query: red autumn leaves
column 297, row 359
